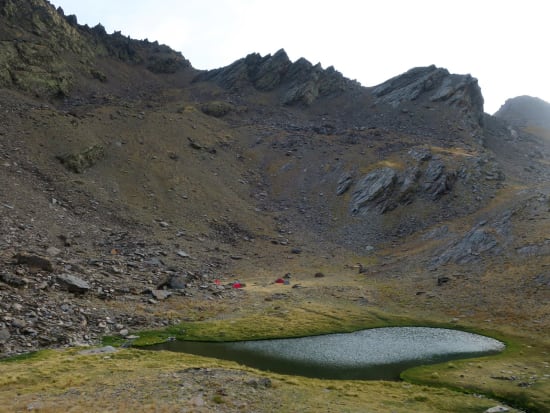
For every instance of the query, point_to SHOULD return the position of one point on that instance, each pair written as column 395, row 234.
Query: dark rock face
column 300, row 82
column 385, row 188
column 436, row 85
column 373, row 190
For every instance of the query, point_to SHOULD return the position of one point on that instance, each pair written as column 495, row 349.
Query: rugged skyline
column 367, row 41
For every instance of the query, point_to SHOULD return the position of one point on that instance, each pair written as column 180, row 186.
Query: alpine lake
column 373, row 354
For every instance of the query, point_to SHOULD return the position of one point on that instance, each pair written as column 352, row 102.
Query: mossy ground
column 132, row 379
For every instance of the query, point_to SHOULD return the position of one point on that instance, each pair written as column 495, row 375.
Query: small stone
column 16, row 307
column 124, row 332
column 160, row 294
column 183, row 254
column 53, row 251
column 263, row 382
column 197, row 401
column 4, row 335
column 101, row 350
column 164, row 224
column 18, row 323
column 497, row 409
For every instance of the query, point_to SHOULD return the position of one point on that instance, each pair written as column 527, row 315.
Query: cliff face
column 44, row 52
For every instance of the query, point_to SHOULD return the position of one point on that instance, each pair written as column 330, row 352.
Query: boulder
column 174, row 282
column 34, row 261
column 12, row 280
column 73, row 284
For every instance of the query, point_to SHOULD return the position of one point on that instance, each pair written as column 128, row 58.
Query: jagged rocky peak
column 434, row 84
column 526, row 110
column 299, row 81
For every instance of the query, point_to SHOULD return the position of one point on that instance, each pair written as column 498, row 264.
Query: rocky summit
column 139, row 193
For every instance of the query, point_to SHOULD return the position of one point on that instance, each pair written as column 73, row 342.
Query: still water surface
column 381, row 353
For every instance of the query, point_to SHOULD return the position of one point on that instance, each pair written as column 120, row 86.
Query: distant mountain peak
column 526, row 110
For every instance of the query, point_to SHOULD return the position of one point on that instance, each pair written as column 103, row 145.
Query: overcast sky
column 504, row 44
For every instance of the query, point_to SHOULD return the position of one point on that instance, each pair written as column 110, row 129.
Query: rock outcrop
column 80, row 161
column 299, row 82
column 385, row 188
column 469, row 248
column 374, row 189
column 460, row 92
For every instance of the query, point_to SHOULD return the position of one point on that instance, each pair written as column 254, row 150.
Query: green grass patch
column 21, row 357
column 517, row 376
